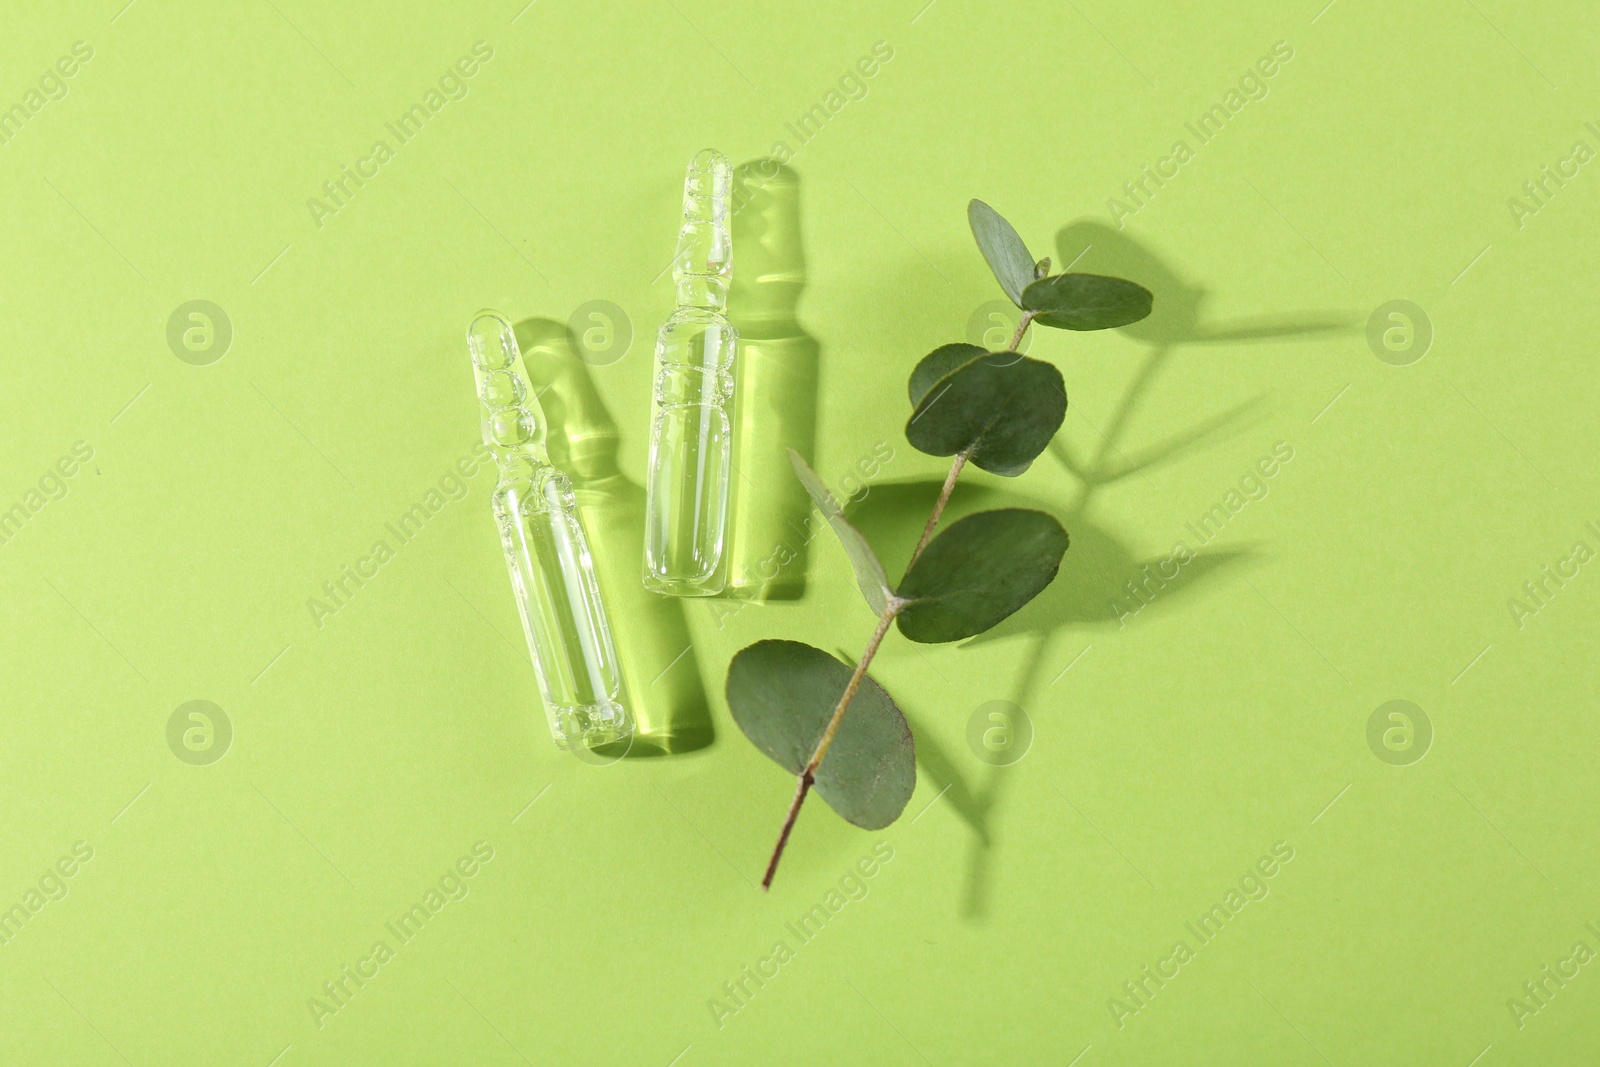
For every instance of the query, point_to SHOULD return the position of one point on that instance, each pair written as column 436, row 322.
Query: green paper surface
column 1291, row 500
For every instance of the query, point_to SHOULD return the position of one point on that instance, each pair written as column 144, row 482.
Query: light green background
column 372, row 753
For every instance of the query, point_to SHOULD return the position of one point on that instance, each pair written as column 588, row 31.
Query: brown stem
column 1022, row 328
column 808, row 775
column 802, row 787
column 890, row 610
column 938, row 507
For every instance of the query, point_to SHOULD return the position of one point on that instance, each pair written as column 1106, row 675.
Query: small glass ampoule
column 547, row 554
column 686, row 486
column 661, row 683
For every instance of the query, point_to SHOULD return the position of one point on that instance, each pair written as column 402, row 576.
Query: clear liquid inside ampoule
column 558, row 598
column 690, row 455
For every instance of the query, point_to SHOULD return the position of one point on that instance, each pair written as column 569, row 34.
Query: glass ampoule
column 686, row 487
column 547, row 554
column 661, row 683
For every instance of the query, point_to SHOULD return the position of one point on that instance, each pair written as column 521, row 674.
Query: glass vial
column 547, row 554
column 661, row 683
column 691, row 439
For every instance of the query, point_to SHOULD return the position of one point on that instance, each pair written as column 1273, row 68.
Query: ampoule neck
column 702, row 293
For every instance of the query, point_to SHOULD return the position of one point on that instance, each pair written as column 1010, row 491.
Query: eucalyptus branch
column 964, row 577
column 808, row 775
column 891, row 609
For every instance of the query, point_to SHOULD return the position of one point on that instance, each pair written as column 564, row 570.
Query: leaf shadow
column 892, row 514
column 1177, row 317
column 973, row 805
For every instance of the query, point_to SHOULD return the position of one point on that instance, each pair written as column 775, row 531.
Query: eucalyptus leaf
column 782, row 694
column 978, row 571
column 870, row 575
column 1007, row 256
column 1001, row 408
column 936, row 364
column 1086, row 301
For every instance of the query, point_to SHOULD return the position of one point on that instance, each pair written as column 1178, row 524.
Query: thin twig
column 1022, row 328
column 938, row 507
column 889, row 612
column 802, row 787
column 808, row 775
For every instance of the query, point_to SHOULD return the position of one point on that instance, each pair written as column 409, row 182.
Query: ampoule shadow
column 660, row 675
column 775, row 404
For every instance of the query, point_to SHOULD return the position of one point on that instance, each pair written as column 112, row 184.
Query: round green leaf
column 978, row 571
column 1086, row 301
column 1007, row 256
column 936, row 364
column 782, row 694
column 1001, row 408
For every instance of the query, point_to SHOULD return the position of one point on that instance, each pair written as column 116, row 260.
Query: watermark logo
column 347, row 983
column 999, row 733
column 1399, row 733
column 51, row 86
column 1252, row 887
column 1253, row 86
column 340, row 190
column 51, row 486
column 199, row 332
column 53, row 885
column 453, row 485
column 1539, row 191
column 853, row 886
column 1537, row 593
column 993, row 324
column 853, row 85
column 1399, row 333
column 199, row 733
column 1538, row 991
column 603, row 755
column 603, row 330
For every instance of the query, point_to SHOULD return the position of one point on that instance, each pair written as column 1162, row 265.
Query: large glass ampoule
column 547, row 554
column 686, row 489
